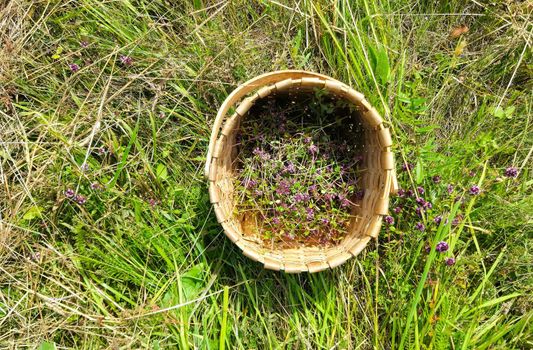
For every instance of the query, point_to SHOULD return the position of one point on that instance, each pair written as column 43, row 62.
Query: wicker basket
column 378, row 179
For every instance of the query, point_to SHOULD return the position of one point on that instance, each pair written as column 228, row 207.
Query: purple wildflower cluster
column 511, row 172
column 126, row 60
column 474, row 190
column 299, row 182
column 78, row 198
column 74, row 67
column 449, row 261
column 442, row 247
column 407, row 166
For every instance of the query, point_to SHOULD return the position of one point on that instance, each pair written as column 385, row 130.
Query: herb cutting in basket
column 298, row 169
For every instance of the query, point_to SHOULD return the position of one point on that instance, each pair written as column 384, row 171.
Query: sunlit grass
column 143, row 263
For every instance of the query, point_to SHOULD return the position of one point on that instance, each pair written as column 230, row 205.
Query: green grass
column 119, row 272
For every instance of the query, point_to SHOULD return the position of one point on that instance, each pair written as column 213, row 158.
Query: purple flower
column 343, row 169
column 329, row 196
column 345, row 202
column 438, row 219
column 389, row 220
column 102, row 150
column 397, row 210
column 428, row 205
column 511, row 172
column 410, row 193
column 313, row 149
column 456, row 220
column 84, row 44
column 262, row 154
column 420, row 227
column 401, row 193
column 419, row 211
column 283, row 188
column 407, row 166
column 449, row 188
column 69, row 193
column 427, row 248
column 299, row 197
column 420, row 201
column 310, row 214
column 84, row 167
column 450, row 261
column 474, row 190
column 126, row 60
column 95, row 186
column 250, row 183
column 307, row 140
column 325, row 221
column 436, row 179
column 312, row 188
column 80, row 199
column 290, row 168
column 472, row 173
column 36, row 256
column 74, row 67
column 420, row 189
column 153, row 202
column 442, row 247
column 275, row 220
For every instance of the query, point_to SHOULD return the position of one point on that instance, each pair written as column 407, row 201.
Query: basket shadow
column 269, row 292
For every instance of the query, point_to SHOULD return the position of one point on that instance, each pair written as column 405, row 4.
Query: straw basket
column 378, row 178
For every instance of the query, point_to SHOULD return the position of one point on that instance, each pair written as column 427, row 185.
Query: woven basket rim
column 310, row 259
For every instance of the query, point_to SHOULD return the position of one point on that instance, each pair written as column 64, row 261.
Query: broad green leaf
column 192, row 282
column 47, row 346
column 380, row 64
column 498, row 112
column 161, row 172
column 419, row 172
column 32, row 213
column 383, row 67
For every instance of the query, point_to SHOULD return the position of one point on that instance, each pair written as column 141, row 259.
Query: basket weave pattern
column 378, row 179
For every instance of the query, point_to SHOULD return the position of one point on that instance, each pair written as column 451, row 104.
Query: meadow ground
column 114, row 100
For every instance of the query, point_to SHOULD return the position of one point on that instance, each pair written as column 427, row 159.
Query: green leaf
column 161, row 172
column 509, row 112
column 419, row 173
column 192, row 282
column 47, row 346
column 380, row 64
column 496, row 301
column 32, row 213
column 498, row 112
